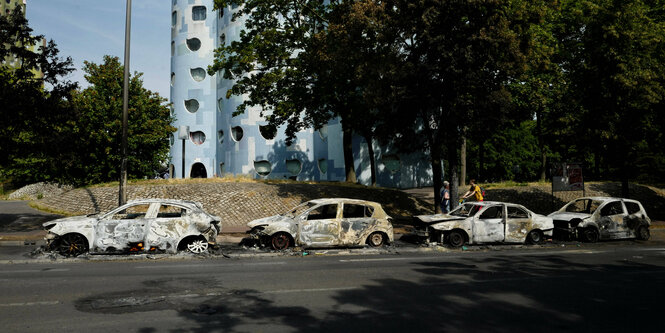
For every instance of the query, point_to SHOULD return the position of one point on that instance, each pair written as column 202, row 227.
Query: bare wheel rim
column 534, row 237
column 280, row 241
column 376, row 239
column 456, row 239
column 591, row 235
column 197, row 246
column 72, row 245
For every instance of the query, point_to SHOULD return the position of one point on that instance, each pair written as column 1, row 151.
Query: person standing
column 445, row 197
column 474, row 190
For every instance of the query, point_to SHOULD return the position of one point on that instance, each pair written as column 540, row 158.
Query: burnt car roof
column 167, row 201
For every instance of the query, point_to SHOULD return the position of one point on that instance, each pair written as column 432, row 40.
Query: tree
column 620, row 65
column 99, row 125
column 303, row 63
column 36, row 113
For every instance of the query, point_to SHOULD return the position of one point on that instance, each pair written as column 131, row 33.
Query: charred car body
column 138, row 226
column 484, row 222
column 325, row 223
column 594, row 218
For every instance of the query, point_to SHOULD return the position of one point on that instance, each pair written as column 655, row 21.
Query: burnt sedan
column 325, row 223
column 139, row 226
column 485, row 222
column 596, row 218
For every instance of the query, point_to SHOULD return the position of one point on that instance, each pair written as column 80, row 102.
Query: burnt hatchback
column 597, row 218
column 328, row 222
column 147, row 225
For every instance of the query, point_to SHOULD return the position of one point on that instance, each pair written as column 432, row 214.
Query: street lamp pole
column 122, row 197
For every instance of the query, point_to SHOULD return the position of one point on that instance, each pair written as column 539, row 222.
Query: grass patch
column 45, row 209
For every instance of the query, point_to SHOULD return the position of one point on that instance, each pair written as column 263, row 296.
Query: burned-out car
column 325, row 223
column 484, row 222
column 147, row 225
column 593, row 218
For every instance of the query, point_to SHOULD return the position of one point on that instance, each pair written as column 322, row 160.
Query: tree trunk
column 625, row 170
column 453, row 163
column 437, row 176
column 541, row 143
column 543, row 175
column 462, row 180
column 372, row 160
column 347, row 143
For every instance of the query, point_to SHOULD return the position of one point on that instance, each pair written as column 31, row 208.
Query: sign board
column 567, row 177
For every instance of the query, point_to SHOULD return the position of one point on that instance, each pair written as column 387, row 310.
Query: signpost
column 567, row 177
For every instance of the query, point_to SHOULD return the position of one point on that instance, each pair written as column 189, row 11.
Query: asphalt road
column 17, row 216
column 591, row 289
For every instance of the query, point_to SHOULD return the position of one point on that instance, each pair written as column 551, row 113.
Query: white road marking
column 286, row 291
column 29, row 304
column 208, row 266
column 38, row 270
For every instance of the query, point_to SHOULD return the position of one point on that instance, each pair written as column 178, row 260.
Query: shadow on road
column 480, row 294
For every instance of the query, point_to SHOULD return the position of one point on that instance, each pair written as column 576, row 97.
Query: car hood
column 567, row 216
column 438, row 218
column 71, row 220
column 271, row 220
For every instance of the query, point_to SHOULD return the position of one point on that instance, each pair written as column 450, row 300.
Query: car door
column 355, row 220
column 611, row 220
column 125, row 228
column 518, row 224
column 320, row 227
column 488, row 225
column 167, row 228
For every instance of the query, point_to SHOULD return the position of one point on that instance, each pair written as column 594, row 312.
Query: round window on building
column 172, row 139
column 174, row 18
column 323, row 132
column 268, row 132
column 198, row 74
column 220, row 105
column 194, row 44
column 391, row 162
column 197, row 137
column 172, row 78
column 323, row 165
column 237, row 133
column 172, row 48
column 192, row 105
column 263, row 168
column 220, row 136
column 294, row 167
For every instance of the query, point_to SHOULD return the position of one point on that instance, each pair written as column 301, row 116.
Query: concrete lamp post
column 183, row 134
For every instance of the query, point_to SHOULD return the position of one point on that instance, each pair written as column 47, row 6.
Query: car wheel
column 72, row 245
column 280, row 241
column 456, row 238
column 590, row 235
column 197, row 245
column 534, row 237
column 376, row 239
column 643, row 233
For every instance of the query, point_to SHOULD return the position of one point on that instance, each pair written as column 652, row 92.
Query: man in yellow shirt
column 473, row 190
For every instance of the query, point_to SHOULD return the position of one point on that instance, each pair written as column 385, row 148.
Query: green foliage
column 36, row 122
column 99, row 126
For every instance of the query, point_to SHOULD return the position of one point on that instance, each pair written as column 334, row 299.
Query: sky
column 86, row 30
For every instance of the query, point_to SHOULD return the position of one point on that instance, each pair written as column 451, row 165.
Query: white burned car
column 325, row 223
column 138, row 226
column 594, row 218
column 485, row 222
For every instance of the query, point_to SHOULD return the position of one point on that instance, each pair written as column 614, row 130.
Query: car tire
column 280, row 241
column 590, row 235
column 456, row 238
column 534, row 237
column 72, row 245
column 197, row 245
column 643, row 233
column 376, row 239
